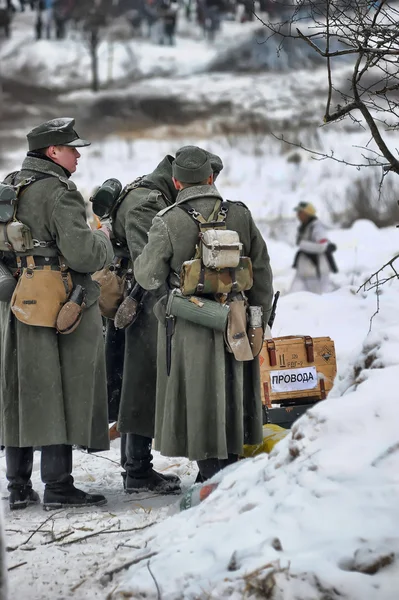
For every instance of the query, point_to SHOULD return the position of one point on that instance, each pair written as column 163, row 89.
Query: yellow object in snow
column 272, row 434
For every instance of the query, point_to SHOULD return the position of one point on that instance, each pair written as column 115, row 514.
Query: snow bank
column 317, row 519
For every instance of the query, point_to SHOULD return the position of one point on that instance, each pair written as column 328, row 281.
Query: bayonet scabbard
column 170, row 329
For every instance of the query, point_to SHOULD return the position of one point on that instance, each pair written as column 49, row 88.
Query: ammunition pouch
column 15, row 236
column 201, row 311
column 40, row 293
column 115, row 282
column 196, row 278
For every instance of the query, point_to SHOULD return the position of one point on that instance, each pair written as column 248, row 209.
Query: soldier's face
column 66, row 156
column 302, row 216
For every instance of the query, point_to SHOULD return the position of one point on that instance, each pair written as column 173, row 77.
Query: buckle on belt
column 41, row 244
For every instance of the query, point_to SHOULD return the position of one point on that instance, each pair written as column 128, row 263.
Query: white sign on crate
column 294, row 380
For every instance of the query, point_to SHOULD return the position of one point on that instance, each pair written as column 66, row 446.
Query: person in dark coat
column 53, row 387
column 138, row 373
column 208, row 402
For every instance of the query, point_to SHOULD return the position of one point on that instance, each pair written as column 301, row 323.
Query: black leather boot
column 210, row 466
column 141, row 477
column 114, row 357
column 22, row 497
column 19, row 470
column 56, row 469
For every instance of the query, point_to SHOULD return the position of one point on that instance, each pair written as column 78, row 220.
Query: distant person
column 45, row 19
column 150, row 16
column 248, row 14
column 168, row 14
column 314, row 259
column 23, row 2
column 213, row 17
column 6, row 8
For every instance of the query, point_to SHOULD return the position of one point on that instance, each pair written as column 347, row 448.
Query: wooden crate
column 297, row 367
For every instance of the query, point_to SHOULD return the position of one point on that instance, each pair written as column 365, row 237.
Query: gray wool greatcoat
column 53, row 387
column 210, row 404
column 131, row 226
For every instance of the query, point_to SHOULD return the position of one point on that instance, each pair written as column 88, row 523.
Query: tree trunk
column 94, row 41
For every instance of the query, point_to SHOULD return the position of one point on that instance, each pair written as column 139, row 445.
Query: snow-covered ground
column 316, row 520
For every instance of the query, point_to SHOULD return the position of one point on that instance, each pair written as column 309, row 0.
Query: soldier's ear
column 177, row 184
column 211, row 179
column 51, row 151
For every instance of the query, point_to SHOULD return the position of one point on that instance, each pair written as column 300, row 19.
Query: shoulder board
column 237, row 202
column 134, row 185
column 167, row 209
column 70, row 184
column 11, row 176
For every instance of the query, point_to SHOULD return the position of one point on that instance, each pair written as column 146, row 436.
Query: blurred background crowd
column 154, row 19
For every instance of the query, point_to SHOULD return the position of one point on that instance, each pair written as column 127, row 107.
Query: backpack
column 217, row 266
column 14, row 235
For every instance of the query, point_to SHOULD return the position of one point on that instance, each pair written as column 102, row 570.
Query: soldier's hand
column 106, row 230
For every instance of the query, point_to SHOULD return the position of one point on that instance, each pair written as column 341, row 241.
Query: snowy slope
column 317, row 519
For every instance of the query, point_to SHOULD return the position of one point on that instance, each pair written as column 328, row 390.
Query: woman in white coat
column 313, row 261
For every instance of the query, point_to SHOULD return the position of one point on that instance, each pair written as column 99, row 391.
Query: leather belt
column 40, row 261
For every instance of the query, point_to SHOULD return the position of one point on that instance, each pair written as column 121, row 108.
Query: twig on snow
column 127, row 546
column 77, row 585
column 111, row 593
column 140, row 499
column 105, row 531
column 109, row 574
column 159, row 597
column 59, row 538
column 12, row 548
column 17, row 566
column 41, row 525
column 104, row 458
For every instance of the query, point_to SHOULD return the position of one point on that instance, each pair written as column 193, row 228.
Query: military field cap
column 215, row 160
column 307, row 208
column 57, row 132
column 192, row 165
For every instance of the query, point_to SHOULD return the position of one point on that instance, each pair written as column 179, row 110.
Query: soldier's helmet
column 307, row 207
column 57, row 132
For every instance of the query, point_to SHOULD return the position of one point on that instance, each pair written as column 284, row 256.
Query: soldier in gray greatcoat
column 135, row 380
column 209, row 405
column 53, row 387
